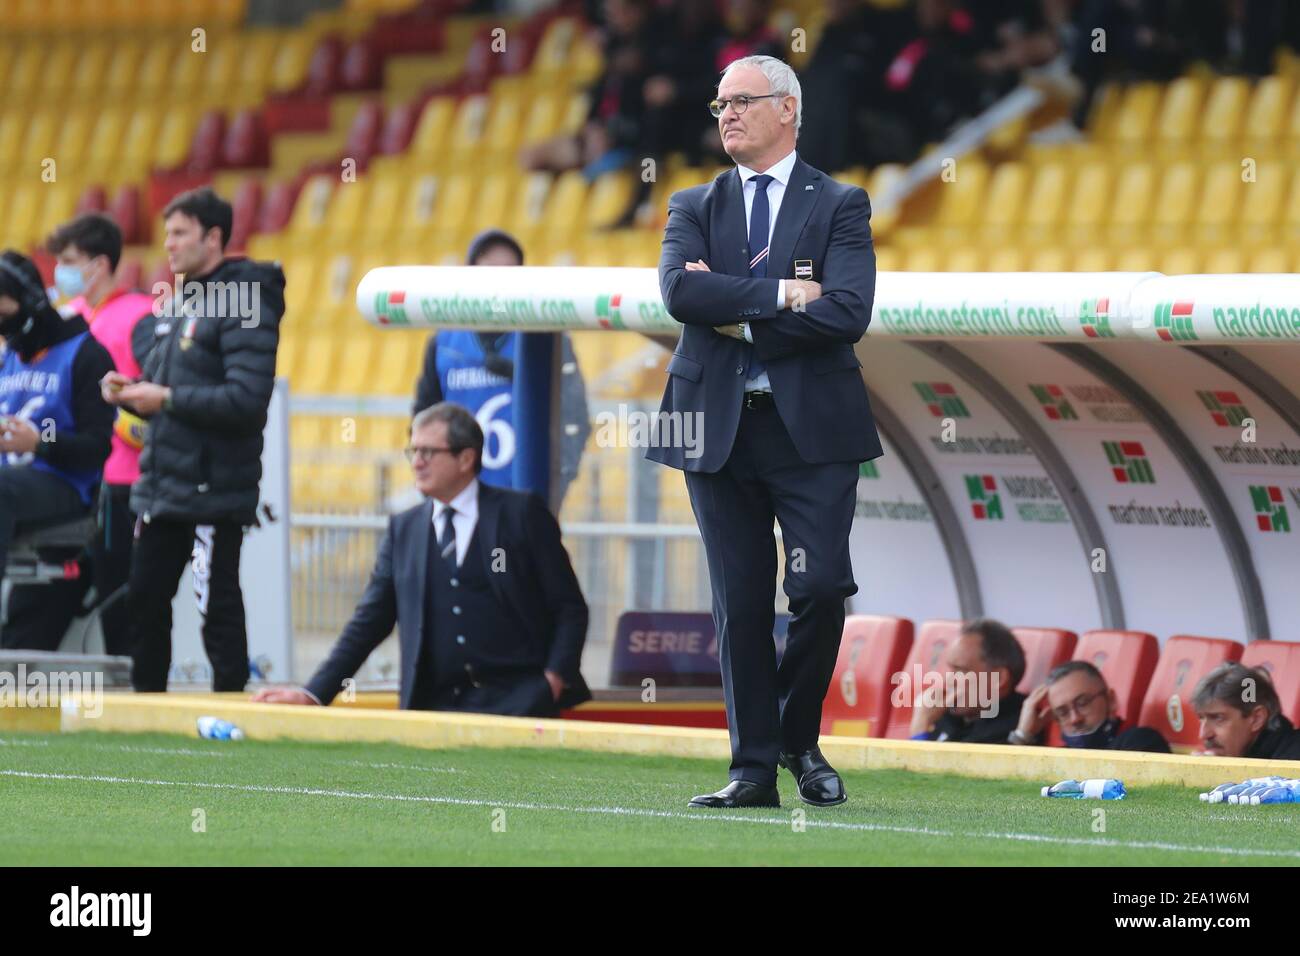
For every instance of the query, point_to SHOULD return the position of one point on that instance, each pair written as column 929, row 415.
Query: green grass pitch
column 93, row 798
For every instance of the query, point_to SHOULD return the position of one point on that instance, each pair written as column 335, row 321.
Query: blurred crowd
column 882, row 81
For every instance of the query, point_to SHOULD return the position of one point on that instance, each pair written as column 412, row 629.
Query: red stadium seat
column 1282, row 661
column 125, row 211
column 323, row 70
column 399, row 127
column 1044, row 648
column 361, row 68
column 277, row 206
column 205, row 147
column 129, row 274
column 93, row 199
column 245, row 144
column 873, row 649
column 1184, row 661
column 927, row 653
column 244, row 204
column 363, row 136
column 1127, row 659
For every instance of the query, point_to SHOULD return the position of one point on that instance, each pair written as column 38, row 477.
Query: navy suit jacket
column 536, row 579
column 815, row 375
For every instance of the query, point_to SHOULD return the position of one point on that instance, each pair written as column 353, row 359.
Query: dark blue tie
column 759, row 216
column 447, row 541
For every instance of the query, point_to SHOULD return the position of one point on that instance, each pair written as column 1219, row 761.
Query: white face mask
column 70, row 280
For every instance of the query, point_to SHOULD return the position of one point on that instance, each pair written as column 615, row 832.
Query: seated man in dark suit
column 1077, row 697
column 981, row 705
column 1241, row 715
column 489, row 614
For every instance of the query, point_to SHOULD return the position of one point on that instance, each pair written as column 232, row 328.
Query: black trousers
column 39, row 615
column 773, row 709
column 30, row 495
column 162, row 549
column 513, row 695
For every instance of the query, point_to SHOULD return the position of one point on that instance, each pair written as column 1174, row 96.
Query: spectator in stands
column 612, row 130
column 1241, row 715
column 54, row 427
column 88, row 249
column 982, row 705
column 476, row 369
column 205, row 387
column 489, row 613
column 1076, row 696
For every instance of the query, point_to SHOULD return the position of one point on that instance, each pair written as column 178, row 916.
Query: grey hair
column 463, row 430
column 781, row 78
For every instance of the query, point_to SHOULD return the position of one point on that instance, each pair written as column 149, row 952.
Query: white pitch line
column 702, row 815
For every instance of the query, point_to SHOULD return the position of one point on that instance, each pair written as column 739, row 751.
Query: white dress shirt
column 465, row 520
column 780, row 173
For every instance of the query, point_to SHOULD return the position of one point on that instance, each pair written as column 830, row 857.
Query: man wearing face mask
column 88, row 249
column 1077, row 697
column 54, row 427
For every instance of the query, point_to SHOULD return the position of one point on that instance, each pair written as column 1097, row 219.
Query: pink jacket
column 112, row 323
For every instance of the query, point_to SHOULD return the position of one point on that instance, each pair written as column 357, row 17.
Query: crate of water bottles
column 1256, row 791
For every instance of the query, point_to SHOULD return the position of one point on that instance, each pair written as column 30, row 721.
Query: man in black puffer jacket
column 204, row 388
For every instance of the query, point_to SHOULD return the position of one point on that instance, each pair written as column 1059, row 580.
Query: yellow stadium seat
column 1272, row 260
column 1182, row 261
column 1050, row 259
column 566, row 202
column 1180, row 113
column 1226, row 261
column 286, row 358
column 349, row 205
column 289, row 69
column 1045, row 204
column 505, row 119
column 888, row 260
column 1104, row 111
column 551, row 59
column 415, row 216
column 384, row 206
column 1135, row 260
column 1225, row 109
column 1176, row 202
column 469, row 129
column 174, row 135
column 1094, row 259
column 496, row 199
column 433, row 129
column 140, row 138
column 1266, row 115
column 962, row 198
column 317, row 367
column 924, row 259
column 355, row 373
column 1264, row 202
column 88, row 76
column 73, row 137
column 456, row 197
column 311, row 209
column 1136, row 114
column 26, row 208
column 1132, row 201
column 610, row 196
column 1005, row 259
column 1006, row 194
column 965, row 259
column 1219, row 202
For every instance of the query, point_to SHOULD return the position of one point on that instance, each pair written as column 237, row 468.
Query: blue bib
column 466, row 381
column 41, row 395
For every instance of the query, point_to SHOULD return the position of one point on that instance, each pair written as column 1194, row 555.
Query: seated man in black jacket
column 1077, row 697
column 489, row 614
column 1241, row 715
column 981, row 705
column 54, row 427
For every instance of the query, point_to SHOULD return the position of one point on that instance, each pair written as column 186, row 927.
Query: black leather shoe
column 819, row 784
column 739, row 793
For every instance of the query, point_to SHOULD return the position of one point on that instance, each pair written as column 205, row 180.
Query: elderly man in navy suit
column 489, row 615
column 771, row 271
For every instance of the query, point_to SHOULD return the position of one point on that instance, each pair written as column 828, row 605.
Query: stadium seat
column 1184, row 660
column 872, row 650
column 927, row 655
column 1044, row 648
column 1282, row 661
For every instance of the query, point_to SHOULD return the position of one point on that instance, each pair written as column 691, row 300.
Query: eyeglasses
column 426, row 452
column 738, row 103
column 1080, row 702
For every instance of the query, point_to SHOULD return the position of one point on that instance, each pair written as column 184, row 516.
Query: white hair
column 780, row 77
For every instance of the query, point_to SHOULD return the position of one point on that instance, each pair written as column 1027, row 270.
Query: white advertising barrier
column 1058, row 306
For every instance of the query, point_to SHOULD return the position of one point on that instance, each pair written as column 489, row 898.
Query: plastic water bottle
column 1097, row 789
column 1274, row 795
column 214, row 728
column 1216, row 795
